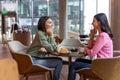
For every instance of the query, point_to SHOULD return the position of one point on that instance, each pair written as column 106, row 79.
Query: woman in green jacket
column 44, row 43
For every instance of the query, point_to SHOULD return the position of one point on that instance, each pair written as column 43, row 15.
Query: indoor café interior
column 39, row 36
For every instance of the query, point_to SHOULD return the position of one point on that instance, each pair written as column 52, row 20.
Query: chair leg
column 46, row 76
column 26, row 78
column 23, row 77
column 82, row 77
column 51, row 76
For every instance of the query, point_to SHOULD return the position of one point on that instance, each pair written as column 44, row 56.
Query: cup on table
column 81, row 49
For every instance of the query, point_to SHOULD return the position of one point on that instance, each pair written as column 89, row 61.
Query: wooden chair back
column 8, row 69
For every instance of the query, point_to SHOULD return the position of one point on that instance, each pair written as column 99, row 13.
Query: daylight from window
column 92, row 7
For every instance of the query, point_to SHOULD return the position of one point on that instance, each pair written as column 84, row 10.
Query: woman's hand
column 50, row 32
column 43, row 50
column 56, row 53
column 92, row 33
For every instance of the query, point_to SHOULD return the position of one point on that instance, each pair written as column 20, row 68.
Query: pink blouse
column 102, row 47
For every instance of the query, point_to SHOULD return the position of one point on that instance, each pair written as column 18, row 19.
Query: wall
column 115, row 23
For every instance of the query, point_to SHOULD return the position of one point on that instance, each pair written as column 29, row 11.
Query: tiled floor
column 4, row 53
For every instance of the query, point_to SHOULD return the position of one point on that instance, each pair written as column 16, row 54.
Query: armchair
column 102, row 69
column 25, row 64
column 8, row 69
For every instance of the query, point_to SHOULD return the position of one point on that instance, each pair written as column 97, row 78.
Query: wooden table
column 70, row 56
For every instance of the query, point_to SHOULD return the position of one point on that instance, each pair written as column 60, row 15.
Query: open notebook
column 71, row 43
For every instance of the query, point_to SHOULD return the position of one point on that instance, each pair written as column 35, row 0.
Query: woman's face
column 95, row 23
column 48, row 24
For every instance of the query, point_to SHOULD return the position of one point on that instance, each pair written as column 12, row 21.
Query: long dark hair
column 41, row 23
column 101, row 17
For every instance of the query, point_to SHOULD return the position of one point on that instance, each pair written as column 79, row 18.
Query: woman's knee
column 58, row 60
column 73, row 65
column 83, row 60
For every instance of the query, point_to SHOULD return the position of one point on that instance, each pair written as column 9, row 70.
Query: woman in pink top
column 102, row 47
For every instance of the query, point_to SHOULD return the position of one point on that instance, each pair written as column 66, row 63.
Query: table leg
column 70, row 61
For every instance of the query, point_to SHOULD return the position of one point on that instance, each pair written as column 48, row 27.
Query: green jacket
column 41, row 40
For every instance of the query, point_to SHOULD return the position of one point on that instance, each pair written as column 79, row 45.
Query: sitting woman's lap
column 50, row 62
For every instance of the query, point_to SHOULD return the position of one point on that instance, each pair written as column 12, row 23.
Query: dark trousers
column 78, row 64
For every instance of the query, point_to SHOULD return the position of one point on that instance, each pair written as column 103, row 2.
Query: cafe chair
column 8, row 69
column 116, row 53
column 25, row 64
column 22, row 36
column 101, row 69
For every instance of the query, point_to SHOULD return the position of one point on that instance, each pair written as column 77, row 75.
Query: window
column 40, row 8
column 24, row 8
column 75, row 17
column 80, row 15
column 92, row 7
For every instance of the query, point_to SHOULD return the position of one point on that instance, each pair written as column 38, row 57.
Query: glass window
column 75, row 17
column 24, row 8
column 89, row 12
column 52, row 10
column 90, row 9
column 80, row 15
column 8, row 15
column 79, row 12
column 40, row 8
column 105, row 8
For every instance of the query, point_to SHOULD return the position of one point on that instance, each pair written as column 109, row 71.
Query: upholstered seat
column 102, row 69
column 22, row 36
column 8, row 69
column 25, row 64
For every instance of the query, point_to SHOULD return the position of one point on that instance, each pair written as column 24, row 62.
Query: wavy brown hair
column 41, row 23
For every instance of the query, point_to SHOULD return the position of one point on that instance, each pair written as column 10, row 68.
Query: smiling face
column 95, row 23
column 48, row 24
